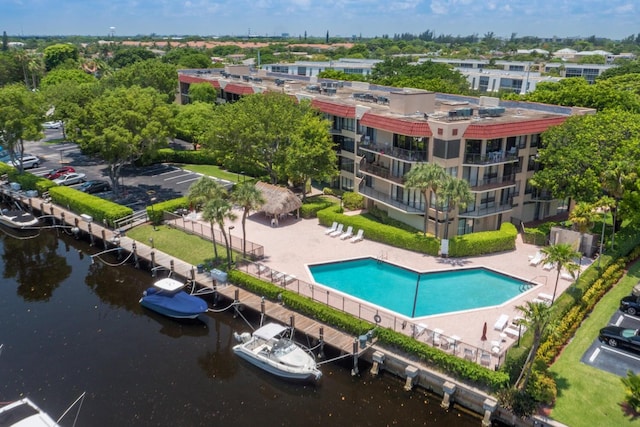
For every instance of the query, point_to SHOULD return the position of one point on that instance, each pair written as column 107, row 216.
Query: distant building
column 382, row 132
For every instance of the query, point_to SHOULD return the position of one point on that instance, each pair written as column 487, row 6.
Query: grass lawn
column 588, row 396
column 215, row 171
column 188, row 247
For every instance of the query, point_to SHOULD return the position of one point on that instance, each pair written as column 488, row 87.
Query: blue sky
column 544, row 18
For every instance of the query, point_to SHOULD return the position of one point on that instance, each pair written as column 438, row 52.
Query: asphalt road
column 140, row 186
column 614, row 360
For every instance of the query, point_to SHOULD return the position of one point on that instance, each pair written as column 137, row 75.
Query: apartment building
column 382, row 132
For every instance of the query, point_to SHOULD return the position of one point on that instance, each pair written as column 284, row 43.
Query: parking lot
column 614, row 360
column 140, row 186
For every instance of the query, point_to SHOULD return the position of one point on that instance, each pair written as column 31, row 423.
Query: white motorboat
column 25, row 413
column 17, row 218
column 271, row 348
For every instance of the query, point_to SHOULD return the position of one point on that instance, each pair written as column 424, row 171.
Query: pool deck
column 294, row 243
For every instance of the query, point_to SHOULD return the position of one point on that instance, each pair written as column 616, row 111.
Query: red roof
column 497, row 130
column 401, row 127
column 192, row 79
column 337, row 110
column 239, row 89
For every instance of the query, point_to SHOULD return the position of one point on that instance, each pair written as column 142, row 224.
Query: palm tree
column 616, row 179
column 536, row 317
column 249, row 198
column 560, row 256
column 200, row 194
column 582, row 216
column 218, row 210
column 426, row 177
column 456, row 192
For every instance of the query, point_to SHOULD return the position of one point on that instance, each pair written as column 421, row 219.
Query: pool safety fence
column 194, row 225
column 490, row 354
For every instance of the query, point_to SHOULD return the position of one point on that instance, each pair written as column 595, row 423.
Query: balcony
column 380, row 172
column 398, row 153
column 493, row 183
column 492, row 158
column 388, row 200
column 486, row 211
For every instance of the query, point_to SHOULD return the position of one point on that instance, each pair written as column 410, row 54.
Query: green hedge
column 156, row 211
column 314, row 204
column 103, row 211
column 200, row 157
column 484, row 242
column 445, row 362
column 413, row 241
column 27, row 180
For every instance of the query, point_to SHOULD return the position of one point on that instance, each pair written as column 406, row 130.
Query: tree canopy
column 58, row 54
column 150, row 73
column 125, row 124
column 194, row 122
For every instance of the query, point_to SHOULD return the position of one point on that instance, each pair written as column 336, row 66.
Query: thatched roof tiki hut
column 279, row 201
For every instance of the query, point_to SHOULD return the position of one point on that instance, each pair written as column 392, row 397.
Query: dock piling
column 378, row 359
column 449, row 389
column 355, row 371
column 321, row 343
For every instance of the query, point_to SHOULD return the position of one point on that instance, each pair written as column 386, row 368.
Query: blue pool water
column 394, row 288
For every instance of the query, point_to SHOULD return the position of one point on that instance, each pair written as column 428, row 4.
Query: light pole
column 151, row 241
column 604, row 220
column 229, row 248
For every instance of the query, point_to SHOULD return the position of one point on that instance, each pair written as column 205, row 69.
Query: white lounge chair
column 537, row 258
column 288, row 279
column 332, row 228
column 501, row 323
column 358, row 237
column 545, row 297
column 548, row 266
column 347, row 234
column 337, row 231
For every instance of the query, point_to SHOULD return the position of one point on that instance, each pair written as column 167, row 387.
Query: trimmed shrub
column 484, row 242
column 414, row 241
column 200, row 157
column 314, row 204
column 156, row 211
column 103, row 211
column 352, row 201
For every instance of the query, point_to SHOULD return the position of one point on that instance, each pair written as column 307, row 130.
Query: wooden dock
column 108, row 240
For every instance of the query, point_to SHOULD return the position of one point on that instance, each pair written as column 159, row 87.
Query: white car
column 52, row 125
column 27, row 162
column 70, row 178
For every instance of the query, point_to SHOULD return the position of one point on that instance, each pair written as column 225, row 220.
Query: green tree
column 426, row 177
column 150, row 73
column 202, row 92
column 126, row 56
column 125, row 124
column 219, row 210
column 617, row 179
column 10, row 69
column 632, row 390
column 570, row 166
column 582, row 216
column 536, row 317
column 249, row 198
column 75, row 76
column 194, row 122
column 254, row 133
column 21, row 116
column 456, row 193
column 310, row 154
column 69, row 100
column 58, row 54
column 561, row 255
column 200, row 194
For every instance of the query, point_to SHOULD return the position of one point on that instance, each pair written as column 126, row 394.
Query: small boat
column 167, row 297
column 24, row 412
column 271, row 348
column 17, row 218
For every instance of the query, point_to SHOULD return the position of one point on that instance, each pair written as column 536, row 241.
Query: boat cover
column 170, row 285
column 179, row 302
column 269, row 331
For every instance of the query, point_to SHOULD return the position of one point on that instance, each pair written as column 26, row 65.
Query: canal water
column 71, row 325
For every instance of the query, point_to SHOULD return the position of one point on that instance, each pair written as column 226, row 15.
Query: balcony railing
column 490, row 158
column 486, row 211
column 395, row 152
column 491, row 183
column 380, row 171
column 388, row 200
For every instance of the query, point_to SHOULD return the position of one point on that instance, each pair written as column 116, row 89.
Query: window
column 280, row 69
column 454, row 132
column 440, row 131
column 302, row 71
column 446, row 149
column 535, row 140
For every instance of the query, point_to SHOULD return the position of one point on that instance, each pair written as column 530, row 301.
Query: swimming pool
column 394, row 288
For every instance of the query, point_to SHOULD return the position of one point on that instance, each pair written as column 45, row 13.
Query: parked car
column 27, row 162
column 630, row 304
column 52, row 125
column 70, row 178
column 57, row 173
column 616, row 336
column 95, row 186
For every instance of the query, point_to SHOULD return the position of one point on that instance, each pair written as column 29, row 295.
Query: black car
column 630, row 304
column 616, row 336
column 95, row 186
